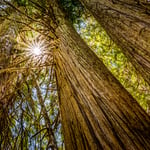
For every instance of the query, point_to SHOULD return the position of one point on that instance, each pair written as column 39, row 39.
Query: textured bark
column 97, row 112
column 7, row 33
column 128, row 24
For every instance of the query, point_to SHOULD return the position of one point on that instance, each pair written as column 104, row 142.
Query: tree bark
column 127, row 22
column 97, row 112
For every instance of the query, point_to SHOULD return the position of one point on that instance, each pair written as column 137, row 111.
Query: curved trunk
column 128, row 24
column 97, row 112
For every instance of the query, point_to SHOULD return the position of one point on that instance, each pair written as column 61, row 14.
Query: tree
column 97, row 112
column 128, row 24
column 52, row 141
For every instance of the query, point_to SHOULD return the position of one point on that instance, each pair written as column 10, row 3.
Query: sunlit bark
column 97, row 112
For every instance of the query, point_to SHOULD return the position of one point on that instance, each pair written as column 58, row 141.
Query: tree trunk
column 127, row 22
column 97, row 112
column 52, row 143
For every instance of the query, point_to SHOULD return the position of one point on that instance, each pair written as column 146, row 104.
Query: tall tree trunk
column 128, row 24
column 52, row 143
column 97, row 112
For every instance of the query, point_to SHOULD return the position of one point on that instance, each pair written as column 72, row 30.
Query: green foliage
column 22, row 2
column 73, row 9
column 114, row 59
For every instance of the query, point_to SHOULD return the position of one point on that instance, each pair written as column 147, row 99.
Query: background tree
column 127, row 23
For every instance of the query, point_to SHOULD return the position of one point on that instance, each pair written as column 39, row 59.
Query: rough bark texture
column 128, row 24
column 97, row 112
column 6, row 45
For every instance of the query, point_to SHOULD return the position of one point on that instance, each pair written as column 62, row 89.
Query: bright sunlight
column 36, row 50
